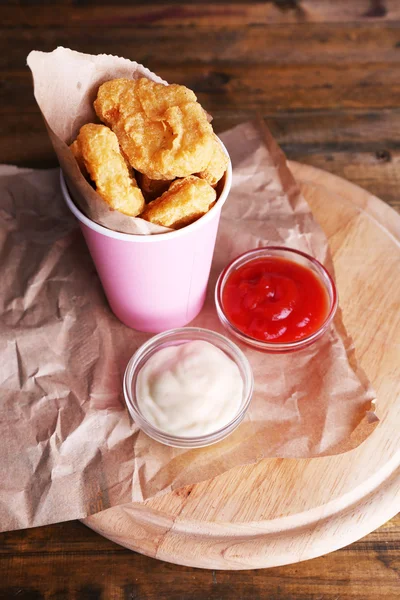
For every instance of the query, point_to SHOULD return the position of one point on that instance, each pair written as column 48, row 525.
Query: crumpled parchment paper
column 68, row 447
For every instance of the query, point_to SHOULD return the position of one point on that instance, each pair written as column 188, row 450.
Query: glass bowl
column 295, row 256
column 175, row 337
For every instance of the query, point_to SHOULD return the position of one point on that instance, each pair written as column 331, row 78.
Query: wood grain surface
column 324, row 76
column 278, row 511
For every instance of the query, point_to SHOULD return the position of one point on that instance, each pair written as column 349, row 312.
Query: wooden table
column 325, row 77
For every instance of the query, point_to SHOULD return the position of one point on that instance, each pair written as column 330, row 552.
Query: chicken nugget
column 97, row 148
column 185, row 201
column 76, row 151
column 163, row 130
column 152, row 188
column 217, row 165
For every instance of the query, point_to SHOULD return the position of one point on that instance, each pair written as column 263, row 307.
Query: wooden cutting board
column 283, row 511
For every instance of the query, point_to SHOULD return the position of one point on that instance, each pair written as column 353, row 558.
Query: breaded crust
column 98, row 147
column 152, row 188
column 185, row 201
column 163, row 130
column 76, row 151
column 217, row 165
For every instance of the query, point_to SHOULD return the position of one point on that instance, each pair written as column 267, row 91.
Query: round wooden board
column 282, row 511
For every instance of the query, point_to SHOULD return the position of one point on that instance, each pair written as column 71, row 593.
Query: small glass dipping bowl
column 292, row 255
column 172, row 338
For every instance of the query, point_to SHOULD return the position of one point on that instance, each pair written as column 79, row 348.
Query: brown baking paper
column 68, row 446
column 65, row 85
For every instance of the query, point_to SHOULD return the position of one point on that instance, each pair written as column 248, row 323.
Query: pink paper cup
column 154, row 282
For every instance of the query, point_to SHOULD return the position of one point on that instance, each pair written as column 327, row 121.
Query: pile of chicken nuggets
column 156, row 156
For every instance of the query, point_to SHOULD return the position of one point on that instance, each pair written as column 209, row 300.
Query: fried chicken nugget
column 76, row 151
column 217, row 165
column 185, row 201
column 162, row 129
column 152, row 188
column 97, row 146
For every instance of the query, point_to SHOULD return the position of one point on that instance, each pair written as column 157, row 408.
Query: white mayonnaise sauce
column 190, row 389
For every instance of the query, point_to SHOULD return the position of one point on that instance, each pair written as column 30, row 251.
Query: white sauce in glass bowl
column 190, row 389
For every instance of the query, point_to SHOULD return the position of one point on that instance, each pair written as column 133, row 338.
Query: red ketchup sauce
column 273, row 299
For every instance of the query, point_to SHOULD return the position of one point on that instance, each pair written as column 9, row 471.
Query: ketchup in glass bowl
column 276, row 299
